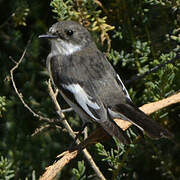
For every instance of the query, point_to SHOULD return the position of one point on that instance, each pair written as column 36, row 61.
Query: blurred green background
column 136, row 35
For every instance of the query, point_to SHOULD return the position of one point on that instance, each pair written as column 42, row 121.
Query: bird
column 90, row 85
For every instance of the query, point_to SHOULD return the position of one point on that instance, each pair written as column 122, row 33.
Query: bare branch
column 100, row 134
column 95, row 137
column 155, row 106
column 44, row 127
column 40, row 129
column 156, row 68
column 73, row 135
column 16, row 90
column 67, row 110
column 151, row 108
column 52, row 170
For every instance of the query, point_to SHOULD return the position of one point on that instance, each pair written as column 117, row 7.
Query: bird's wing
column 121, row 106
column 77, row 94
column 87, row 104
column 78, row 83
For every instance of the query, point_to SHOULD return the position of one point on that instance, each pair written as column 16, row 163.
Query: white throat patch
column 63, row 48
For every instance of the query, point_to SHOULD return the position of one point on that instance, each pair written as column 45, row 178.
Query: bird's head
column 68, row 37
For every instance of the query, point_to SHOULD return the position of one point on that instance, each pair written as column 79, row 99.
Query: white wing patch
column 83, row 99
column 123, row 87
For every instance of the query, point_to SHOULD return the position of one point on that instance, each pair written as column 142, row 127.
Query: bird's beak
column 48, row 36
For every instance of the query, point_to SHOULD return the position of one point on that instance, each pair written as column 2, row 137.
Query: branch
column 73, row 135
column 17, row 63
column 155, row 106
column 96, row 136
column 151, row 108
column 53, row 96
column 100, row 134
column 156, row 68
column 15, row 88
column 45, row 127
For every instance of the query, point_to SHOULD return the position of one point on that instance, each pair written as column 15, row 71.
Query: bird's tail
column 114, row 130
column 142, row 121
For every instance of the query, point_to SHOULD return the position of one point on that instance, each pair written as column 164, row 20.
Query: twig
column 44, row 127
column 67, row 110
column 94, row 137
column 155, row 106
column 151, row 108
column 5, row 22
column 40, row 129
column 156, row 68
column 99, row 134
column 73, row 135
column 15, row 88
column 53, row 170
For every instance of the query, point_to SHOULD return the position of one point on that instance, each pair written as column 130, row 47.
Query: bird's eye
column 69, row 32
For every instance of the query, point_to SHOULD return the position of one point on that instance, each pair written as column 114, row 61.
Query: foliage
column 6, row 171
column 20, row 14
column 136, row 36
column 85, row 12
column 79, row 172
column 2, row 104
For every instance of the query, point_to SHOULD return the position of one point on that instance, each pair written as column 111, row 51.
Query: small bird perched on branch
column 89, row 84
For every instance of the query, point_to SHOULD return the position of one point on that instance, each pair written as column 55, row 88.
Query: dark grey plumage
column 89, row 84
